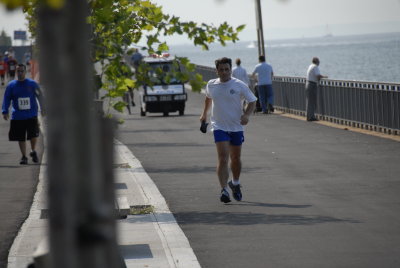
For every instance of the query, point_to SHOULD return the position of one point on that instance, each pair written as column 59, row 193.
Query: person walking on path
column 3, row 68
column 313, row 78
column 136, row 59
column 22, row 94
column 264, row 73
column 224, row 95
column 240, row 73
column 11, row 67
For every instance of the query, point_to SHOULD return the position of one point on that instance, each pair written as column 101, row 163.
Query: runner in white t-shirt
column 224, row 95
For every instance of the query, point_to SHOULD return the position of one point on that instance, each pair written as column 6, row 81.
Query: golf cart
column 167, row 94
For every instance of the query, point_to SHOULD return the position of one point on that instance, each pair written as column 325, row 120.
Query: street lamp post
column 260, row 34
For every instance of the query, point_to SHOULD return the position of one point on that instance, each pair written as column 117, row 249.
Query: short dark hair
column 223, row 60
column 22, row 65
column 315, row 60
column 238, row 61
column 261, row 58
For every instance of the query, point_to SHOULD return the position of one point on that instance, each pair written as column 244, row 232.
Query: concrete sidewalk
column 146, row 240
column 17, row 187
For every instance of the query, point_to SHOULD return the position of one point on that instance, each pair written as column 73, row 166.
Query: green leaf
column 163, row 47
column 240, row 27
column 129, row 83
column 119, row 106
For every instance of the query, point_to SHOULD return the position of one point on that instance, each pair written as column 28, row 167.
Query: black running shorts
column 21, row 130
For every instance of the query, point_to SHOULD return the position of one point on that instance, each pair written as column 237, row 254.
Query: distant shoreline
column 298, row 38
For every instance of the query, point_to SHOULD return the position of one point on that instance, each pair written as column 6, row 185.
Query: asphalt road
column 314, row 196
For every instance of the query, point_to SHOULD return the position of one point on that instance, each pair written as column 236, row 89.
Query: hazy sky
column 281, row 18
column 293, row 18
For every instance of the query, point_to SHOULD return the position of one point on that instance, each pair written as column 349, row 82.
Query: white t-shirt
column 312, row 73
column 227, row 103
column 264, row 73
column 240, row 73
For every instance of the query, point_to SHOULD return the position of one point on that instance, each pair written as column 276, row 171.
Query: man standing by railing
column 264, row 74
column 313, row 77
column 240, row 73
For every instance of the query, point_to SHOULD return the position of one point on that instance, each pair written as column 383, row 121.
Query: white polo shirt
column 227, row 102
column 240, row 73
column 312, row 73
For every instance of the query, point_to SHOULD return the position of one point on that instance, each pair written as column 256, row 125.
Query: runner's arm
column 40, row 98
column 244, row 119
column 207, row 105
column 6, row 104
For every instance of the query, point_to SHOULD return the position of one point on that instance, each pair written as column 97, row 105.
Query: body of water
column 374, row 57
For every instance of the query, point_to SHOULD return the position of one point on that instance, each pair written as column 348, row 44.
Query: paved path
column 17, row 187
column 145, row 240
column 314, row 196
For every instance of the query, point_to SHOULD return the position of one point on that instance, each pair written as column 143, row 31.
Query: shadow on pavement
column 183, row 170
column 167, row 144
column 171, row 130
column 238, row 218
column 259, row 204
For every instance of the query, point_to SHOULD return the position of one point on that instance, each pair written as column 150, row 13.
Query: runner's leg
column 236, row 163
column 22, row 147
column 126, row 100
column 223, row 159
column 33, row 143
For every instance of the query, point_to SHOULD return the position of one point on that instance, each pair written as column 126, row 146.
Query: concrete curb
column 175, row 244
column 151, row 240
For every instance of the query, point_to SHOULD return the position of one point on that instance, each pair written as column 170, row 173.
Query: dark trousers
column 311, row 99
column 265, row 95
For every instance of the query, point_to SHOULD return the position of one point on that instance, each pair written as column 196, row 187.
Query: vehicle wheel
column 181, row 112
column 142, row 113
column 166, row 114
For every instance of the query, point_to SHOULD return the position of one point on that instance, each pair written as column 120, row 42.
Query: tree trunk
column 81, row 197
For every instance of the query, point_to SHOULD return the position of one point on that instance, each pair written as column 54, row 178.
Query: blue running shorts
column 235, row 138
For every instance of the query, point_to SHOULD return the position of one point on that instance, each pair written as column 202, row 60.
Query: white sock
column 235, row 182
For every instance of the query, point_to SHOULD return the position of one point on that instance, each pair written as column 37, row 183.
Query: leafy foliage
column 118, row 24
column 12, row 4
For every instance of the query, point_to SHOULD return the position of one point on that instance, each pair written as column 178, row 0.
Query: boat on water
column 328, row 32
column 252, row 44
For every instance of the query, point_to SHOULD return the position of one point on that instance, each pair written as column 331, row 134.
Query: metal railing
column 369, row 105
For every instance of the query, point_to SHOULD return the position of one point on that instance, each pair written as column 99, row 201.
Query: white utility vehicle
column 167, row 94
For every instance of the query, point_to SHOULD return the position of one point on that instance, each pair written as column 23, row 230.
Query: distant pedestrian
column 5, row 56
column 22, row 95
column 313, row 78
column 264, row 73
column 224, row 96
column 3, row 68
column 136, row 59
column 11, row 52
column 27, row 58
column 240, row 73
column 11, row 67
column 129, row 94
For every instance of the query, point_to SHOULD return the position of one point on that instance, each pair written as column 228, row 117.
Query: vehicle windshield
column 162, row 73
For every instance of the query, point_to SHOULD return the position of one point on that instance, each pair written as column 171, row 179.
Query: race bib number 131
column 24, row 103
